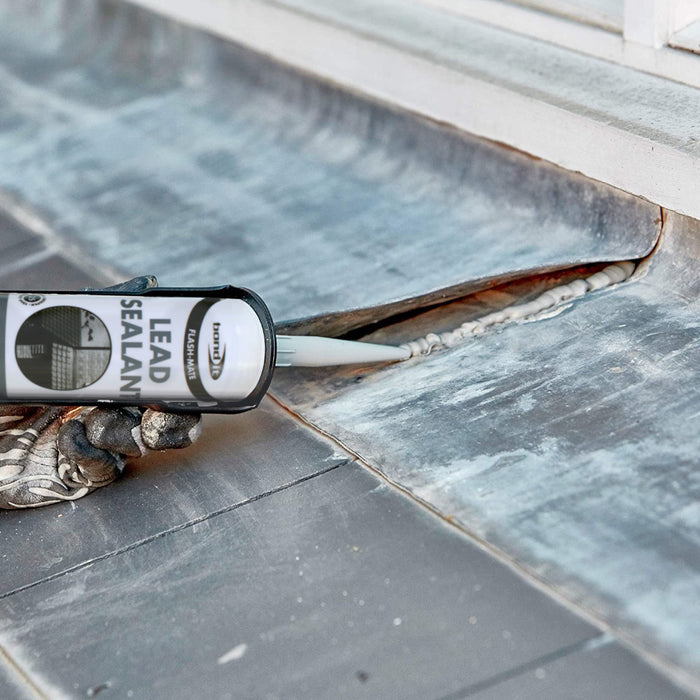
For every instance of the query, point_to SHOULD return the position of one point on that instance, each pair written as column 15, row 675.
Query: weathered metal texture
column 572, row 442
column 334, row 588
column 194, row 564
column 234, row 463
column 158, row 148
column 11, row 688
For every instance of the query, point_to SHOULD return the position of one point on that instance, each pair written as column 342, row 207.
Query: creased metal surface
column 572, row 442
column 157, row 148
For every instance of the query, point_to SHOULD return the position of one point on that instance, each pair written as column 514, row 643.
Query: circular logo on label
column 63, row 348
column 32, row 299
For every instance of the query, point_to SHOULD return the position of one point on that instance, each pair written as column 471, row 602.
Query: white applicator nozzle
column 315, row 351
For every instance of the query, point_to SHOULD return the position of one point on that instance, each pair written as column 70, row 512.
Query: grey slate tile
column 16, row 242
column 237, row 458
column 600, row 672
column 337, row 587
column 54, row 273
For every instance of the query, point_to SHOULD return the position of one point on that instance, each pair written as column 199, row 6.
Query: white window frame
column 654, row 23
column 655, row 36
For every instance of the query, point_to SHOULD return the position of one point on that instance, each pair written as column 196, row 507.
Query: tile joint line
column 174, row 529
column 510, row 674
column 665, row 667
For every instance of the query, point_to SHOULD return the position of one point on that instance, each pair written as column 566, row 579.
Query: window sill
column 632, row 130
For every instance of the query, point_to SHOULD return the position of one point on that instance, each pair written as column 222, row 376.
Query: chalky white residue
column 236, row 653
column 613, row 274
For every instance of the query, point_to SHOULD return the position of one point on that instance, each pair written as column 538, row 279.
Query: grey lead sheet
column 571, row 443
column 156, row 148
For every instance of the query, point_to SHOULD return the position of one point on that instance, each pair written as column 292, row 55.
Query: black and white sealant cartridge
column 209, row 350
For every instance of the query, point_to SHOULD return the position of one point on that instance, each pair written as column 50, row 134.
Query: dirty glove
column 50, row 454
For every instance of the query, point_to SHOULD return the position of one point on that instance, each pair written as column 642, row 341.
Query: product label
column 131, row 348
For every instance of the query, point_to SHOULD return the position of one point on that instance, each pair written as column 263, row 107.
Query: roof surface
column 513, row 517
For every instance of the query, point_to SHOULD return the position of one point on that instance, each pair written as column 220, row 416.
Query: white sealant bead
column 487, row 320
column 424, row 346
column 612, row 274
column 497, row 316
column 524, row 310
column 414, row 347
column 433, row 339
column 547, row 299
column 540, row 304
column 565, row 292
column 629, row 266
column 467, row 327
column 578, row 288
column 561, row 293
column 597, row 281
column 449, row 340
column 619, row 272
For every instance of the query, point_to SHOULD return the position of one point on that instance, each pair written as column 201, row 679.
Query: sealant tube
column 208, row 350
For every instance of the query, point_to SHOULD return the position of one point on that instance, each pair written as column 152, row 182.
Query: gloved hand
column 50, row 454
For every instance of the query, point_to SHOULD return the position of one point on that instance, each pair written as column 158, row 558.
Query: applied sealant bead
column 452, row 339
column 612, row 274
column 561, row 293
column 412, row 347
column 433, row 340
column 466, row 328
column 517, row 313
column 513, row 313
column 577, row 288
column 490, row 319
column 497, row 317
column 619, row 272
column 597, row 281
column 548, row 299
